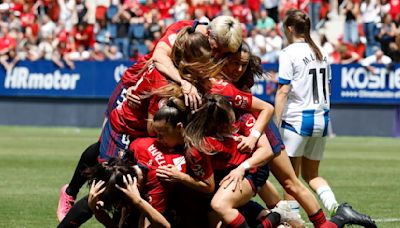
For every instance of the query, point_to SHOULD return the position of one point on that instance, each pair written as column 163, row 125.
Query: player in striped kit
column 302, row 107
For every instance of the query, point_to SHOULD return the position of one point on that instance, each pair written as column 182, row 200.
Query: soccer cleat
column 65, row 203
column 348, row 215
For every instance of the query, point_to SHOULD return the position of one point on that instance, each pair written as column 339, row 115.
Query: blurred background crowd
column 65, row 31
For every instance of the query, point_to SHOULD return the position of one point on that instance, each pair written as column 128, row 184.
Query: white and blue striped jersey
column 307, row 107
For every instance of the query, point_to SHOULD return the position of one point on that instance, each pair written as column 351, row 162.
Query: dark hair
column 254, row 68
column 173, row 112
column 111, row 172
column 212, row 119
column 300, row 22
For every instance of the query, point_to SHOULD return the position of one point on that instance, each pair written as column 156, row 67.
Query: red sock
column 318, row 218
column 329, row 224
column 238, row 222
column 265, row 224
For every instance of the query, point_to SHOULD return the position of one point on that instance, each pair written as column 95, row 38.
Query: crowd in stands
column 65, row 31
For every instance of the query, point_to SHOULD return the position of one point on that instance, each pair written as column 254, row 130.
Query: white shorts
column 303, row 146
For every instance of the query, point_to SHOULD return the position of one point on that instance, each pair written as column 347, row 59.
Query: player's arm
column 266, row 110
column 132, row 192
column 260, row 157
column 170, row 173
column 164, row 64
column 280, row 101
column 284, row 80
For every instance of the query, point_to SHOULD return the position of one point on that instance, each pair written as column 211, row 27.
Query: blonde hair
column 192, row 56
column 227, row 31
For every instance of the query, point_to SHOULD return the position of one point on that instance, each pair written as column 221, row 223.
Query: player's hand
column 131, row 98
column 191, row 95
column 246, row 144
column 93, row 199
column 169, row 173
column 233, row 179
column 131, row 189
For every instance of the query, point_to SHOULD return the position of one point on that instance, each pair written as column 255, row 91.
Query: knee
column 293, row 186
column 219, row 205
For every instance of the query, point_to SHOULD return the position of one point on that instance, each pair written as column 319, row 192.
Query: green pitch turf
column 36, row 162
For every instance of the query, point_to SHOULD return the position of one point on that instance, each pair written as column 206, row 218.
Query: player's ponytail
column 214, row 118
column 300, row 22
column 173, row 112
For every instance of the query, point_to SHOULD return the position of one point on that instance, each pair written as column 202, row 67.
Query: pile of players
column 185, row 144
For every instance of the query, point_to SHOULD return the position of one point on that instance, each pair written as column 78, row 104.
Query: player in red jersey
column 125, row 124
column 224, row 35
column 150, row 153
column 113, row 136
column 116, row 188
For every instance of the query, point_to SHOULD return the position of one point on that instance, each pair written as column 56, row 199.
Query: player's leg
column 69, row 192
column 225, row 202
column 318, row 184
column 78, row 215
column 270, row 195
column 295, row 145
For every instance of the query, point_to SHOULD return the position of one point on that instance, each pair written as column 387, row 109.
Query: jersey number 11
column 313, row 73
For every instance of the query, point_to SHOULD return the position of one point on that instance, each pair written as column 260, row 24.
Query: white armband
column 245, row 165
column 255, row 133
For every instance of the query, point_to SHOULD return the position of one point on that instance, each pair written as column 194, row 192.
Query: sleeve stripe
column 283, row 81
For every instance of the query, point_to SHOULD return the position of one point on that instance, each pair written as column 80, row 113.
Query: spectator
column 48, row 28
column 121, row 39
column 97, row 53
column 273, row 46
column 394, row 52
column 370, row 16
column 83, row 35
column 271, row 6
column 387, row 33
column 351, row 11
column 112, row 53
column 62, row 53
column 345, row 56
column 377, row 58
column 68, row 13
column 80, row 54
column 265, row 23
column 256, row 41
column 46, row 48
column 8, row 43
column 314, row 10
column 180, row 10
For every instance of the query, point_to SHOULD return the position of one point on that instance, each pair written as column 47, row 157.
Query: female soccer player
column 224, row 35
column 302, row 106
column 109, row 183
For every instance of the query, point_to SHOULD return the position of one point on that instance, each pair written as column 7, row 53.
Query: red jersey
column 149, row 153
column 132, row 120
column 169, row 36
column 239, row 99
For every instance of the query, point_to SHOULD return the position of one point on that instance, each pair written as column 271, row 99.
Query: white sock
column 327, row 197
column 294, row 206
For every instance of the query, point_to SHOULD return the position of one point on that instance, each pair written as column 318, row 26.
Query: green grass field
column 36, row 162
